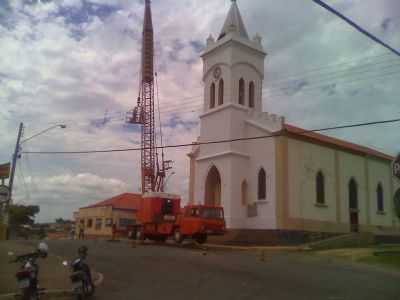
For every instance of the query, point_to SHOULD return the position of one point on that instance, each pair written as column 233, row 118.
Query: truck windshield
column 212, row 213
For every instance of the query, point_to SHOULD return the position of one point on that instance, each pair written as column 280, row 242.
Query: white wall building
column 293, row 181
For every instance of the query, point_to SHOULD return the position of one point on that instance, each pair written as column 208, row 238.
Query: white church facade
column 293, row 180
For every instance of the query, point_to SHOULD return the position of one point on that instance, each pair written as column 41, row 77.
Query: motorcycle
column 81, row 279
column 27, row 276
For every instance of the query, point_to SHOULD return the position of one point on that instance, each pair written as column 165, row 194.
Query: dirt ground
column 53, row 275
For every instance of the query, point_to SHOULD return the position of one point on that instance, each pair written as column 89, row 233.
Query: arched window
column 212, row 95
column 320, row 183
column 241, row 91
column 262, row 185
column 244, row 191
column 353, row 197
column 221, row 92
column 251, row 94
column 379, row 197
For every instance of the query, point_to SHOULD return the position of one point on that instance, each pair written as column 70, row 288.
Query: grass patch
column 391, row 261
column 388, row 255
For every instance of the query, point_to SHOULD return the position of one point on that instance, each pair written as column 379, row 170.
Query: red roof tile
column 123, row 201
column 335, row 142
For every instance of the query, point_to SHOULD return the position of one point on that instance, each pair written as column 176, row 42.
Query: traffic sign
column 396, row 167
column 5, row 171
column 4, row 193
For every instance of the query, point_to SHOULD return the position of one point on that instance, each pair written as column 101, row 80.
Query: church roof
column 330, row 141
column 234, row 22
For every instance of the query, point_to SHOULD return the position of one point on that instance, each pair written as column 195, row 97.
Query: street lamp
column 16, row 156
column 62, row 126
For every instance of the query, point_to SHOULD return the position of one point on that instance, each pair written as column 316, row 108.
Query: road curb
column 100, row 280
column 255, row 248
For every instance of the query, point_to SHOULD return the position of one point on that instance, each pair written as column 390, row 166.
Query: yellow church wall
column 305, row 160
column 352, row 166
column 380, row 172
column 296, row 189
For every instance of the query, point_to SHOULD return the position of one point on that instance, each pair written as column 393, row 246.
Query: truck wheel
column 201, row 239
column 178, row 238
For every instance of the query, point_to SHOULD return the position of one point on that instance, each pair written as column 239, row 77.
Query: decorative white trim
column 226, row 153
column 262, row 202
column 232, row 38
column 223, row 107
column 257, row 125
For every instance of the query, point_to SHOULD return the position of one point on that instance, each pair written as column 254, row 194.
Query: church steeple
column 234, row 23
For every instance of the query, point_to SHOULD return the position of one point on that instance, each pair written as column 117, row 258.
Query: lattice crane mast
column 153, row 171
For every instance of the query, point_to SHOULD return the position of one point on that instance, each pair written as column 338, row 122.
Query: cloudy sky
column 77, row 62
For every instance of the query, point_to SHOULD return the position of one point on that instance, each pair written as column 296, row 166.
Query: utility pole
column 12, row 174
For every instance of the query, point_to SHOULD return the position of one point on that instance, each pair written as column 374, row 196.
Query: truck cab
column 200, row 221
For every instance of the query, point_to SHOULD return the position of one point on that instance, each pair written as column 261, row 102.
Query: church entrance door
column 213, row 188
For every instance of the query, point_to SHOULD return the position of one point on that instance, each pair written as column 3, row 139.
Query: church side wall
column 305, row 161
column 299, row 211
column 353, row 166
column 380, row 173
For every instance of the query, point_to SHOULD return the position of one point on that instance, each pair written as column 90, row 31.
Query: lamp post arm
column 41, row 132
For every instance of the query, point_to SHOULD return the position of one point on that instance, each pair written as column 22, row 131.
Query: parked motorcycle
column 81, row 277
column 27, row 276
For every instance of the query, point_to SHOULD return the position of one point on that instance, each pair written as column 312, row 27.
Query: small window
column 251, row 94
column 241, row 91
column 89, row 223
column 194, row 212
column 99, row 223
column 379, row 197
column 244, row 192
column 123, row 222
column 320, row 183
column 221, row 92
column 212, row 95
column 262, row 185
column 109, row 222
column 167, row 207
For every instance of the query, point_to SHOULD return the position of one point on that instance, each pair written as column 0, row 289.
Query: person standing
column 81, row 235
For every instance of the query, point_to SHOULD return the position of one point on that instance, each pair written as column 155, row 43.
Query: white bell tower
column 233, row 73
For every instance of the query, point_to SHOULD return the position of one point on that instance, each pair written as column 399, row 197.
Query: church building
column 294, row 180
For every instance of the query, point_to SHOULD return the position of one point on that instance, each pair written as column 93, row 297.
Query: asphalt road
column 163, row 272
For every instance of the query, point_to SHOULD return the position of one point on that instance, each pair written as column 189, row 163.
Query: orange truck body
column 160, row 216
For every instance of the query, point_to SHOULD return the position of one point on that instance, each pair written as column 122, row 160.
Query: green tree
column 23, row 214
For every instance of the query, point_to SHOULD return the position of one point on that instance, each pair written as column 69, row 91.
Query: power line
column 220, row 141
column 325, row 67
column 338, row 74
column 356, row 26
column 339, row 83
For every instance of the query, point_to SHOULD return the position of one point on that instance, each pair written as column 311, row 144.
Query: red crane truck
column 160, row 216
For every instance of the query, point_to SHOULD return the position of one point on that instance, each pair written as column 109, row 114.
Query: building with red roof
column 101, row 219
